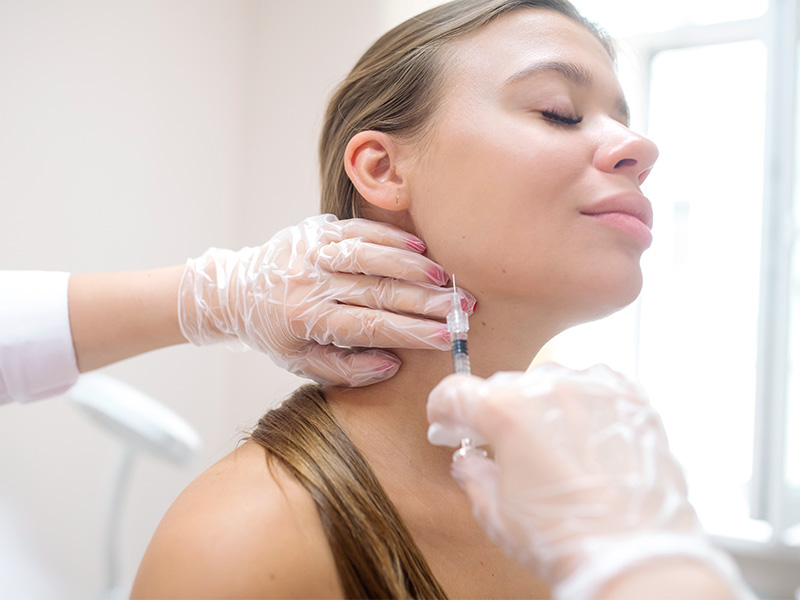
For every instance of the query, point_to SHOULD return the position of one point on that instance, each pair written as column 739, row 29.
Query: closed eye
column 562, row 118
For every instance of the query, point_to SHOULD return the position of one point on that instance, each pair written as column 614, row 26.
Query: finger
column 357, row 326
column 374, row 232
column 479, row 478
column 358, row 256
column 452, row 407
column 616, row 382
column 330, row 365
column 419, row 299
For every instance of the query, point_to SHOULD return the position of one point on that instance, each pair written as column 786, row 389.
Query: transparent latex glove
column 317, row 293
column 582, row 486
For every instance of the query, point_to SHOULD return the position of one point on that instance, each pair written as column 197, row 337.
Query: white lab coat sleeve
column 37, row 358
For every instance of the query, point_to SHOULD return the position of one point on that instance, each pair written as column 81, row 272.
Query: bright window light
column 623, row 17
column 792, row 474
column 699, row 306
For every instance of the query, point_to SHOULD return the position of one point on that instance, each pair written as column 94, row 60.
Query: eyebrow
column 572, row 72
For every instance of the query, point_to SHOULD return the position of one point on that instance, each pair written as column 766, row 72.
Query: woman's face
column 527, row 186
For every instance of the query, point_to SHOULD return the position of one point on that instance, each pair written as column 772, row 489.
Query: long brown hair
column 375, row 555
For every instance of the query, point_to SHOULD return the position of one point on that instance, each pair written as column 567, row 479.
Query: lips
column 631, row 203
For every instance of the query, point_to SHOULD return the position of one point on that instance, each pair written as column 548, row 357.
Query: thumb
column 451, row 410
column 339, row 366
column 479, row 476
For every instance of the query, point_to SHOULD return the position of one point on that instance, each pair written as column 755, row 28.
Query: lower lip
column 627, row 224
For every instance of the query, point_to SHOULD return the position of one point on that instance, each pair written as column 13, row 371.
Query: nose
column 626, row 153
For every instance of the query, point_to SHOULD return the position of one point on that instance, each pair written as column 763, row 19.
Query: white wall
column 134, row 134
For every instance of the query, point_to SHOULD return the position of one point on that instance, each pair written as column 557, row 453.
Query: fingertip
column 468, row 305
column 415, row 244
column 353, row 368
column 437, row 435
column 366, row 379
column 437, row 275
column 387, row 369
column 468, row 301
column 438, row 338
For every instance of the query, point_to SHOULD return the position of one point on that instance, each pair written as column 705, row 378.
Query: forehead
column 515, row 41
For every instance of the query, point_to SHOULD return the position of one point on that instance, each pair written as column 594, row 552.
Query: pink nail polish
column 387, row 367
column 416, row 245
column 437, row 275
column 468, row 305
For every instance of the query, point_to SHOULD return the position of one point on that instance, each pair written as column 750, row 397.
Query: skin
column 492, row 160
column 114, row 316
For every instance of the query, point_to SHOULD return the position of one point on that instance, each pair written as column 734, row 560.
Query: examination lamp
column 142, row 424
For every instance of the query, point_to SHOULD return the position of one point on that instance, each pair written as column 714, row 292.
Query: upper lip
column 629, row 203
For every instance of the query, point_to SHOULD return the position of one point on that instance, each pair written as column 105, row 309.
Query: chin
column 606, row 294
column 617, row 294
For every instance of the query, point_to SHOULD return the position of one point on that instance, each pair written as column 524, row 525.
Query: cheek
column 490, row 247
column 483, row 200
column 500, row 208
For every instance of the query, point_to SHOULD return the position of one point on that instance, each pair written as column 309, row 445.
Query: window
column 698, row 325
column 715, row 335
column 625, row 18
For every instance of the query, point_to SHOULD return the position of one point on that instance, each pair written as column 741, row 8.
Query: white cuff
column 37, row 358
column 610, row 558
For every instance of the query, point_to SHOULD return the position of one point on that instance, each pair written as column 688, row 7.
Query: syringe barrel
column 460, row 357
column 458, row 326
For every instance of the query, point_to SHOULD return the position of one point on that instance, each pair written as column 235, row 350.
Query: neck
column 388, row 422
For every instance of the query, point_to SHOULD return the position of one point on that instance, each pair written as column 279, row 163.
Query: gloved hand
column 315, row 291
column 582, row 486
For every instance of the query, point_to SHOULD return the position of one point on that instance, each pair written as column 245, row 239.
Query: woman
column 496, row 131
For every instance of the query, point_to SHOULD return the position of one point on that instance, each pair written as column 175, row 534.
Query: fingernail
column 468, row 304
column 416, row 244
column 444, row 333
column 468, row 301
column 437, row 275
column 388, row 366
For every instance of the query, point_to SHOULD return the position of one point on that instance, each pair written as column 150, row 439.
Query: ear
column 371, row 160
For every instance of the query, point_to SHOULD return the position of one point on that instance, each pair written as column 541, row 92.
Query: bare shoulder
column 240, row 530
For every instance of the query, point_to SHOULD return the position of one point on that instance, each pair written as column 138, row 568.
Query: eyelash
column 561, row 118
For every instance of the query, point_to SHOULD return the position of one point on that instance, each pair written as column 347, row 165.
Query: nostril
column 625, row 162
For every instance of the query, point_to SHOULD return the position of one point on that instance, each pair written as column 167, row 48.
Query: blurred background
column 135, row 134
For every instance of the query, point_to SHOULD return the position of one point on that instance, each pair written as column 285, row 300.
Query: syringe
column 458, row 325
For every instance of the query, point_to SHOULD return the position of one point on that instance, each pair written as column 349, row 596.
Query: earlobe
column 371, row 162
